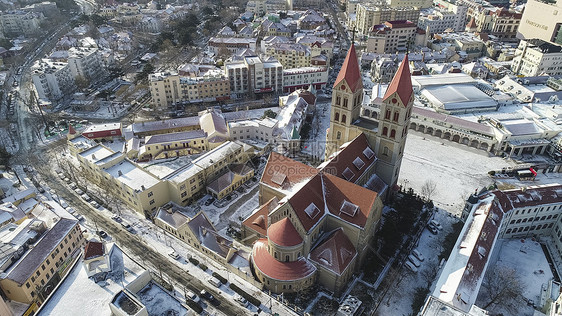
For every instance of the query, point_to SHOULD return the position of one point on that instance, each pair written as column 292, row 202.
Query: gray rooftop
column 36, row 256
column 151, row 126
column 175, row 137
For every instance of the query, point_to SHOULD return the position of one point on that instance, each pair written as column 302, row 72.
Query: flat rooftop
column 102, row 127
column 96, row 154
column 132, row 176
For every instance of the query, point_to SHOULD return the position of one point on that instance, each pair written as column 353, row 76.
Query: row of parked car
column 79, row 191
column 416, row 258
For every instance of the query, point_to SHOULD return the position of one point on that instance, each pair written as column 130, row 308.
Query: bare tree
column 428, row 189
column 502, row 287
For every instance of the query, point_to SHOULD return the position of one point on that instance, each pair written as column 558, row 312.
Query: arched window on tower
column 387, row 114
column 338, row 100
column 396, row 115
column 345, row 102
column 338, row 135
column 385, row 131
column 393, row 133
column 337, row 117
column 343, row 119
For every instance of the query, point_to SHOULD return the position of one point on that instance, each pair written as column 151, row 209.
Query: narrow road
column 132, row 243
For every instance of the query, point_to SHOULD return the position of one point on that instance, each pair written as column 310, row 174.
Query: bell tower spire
column 347, row 97
column 395, row 112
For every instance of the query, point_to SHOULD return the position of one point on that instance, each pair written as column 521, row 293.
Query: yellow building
column 35, row 275
column 198, row 232
column 369, row 15
column 290, row 55
column 163, row 146
column 169, row 88
column 230, row 180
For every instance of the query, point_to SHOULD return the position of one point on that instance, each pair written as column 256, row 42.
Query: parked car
column 67, row 180
column 79, row 217
column 436, row 224
column 214, row 281
column 94, row 204
column 117, row 219
column 71, row 210
column 209, row 201
column 72, row 185
column 209, row 297
column 102, row 234
column 432, row 229
column 174, row 255
column 192, row 296
column 86, row 197
column 63, row 203
column 78, row 191
column 418, row 255
column 240, row 300
column 410, row 266
column 414, row 261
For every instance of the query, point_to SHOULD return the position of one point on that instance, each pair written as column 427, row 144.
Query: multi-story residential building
column 422, row 4
column 15, row 23
column 290, row 55
column 318, row 45
column 34, row 276
column 439, row 20
column 391, row 37
column 298, row 78
column 270, row 28
column 85, row 62
column 383, row 69
column 466, row 42
column 231, row 45
column 310, row 20
column 535, row 57
column 369, row 15
column 164, row 146
column 52, row 80
column 169, row 88
column 252, row 75
column 541, row 20
column 260, row 7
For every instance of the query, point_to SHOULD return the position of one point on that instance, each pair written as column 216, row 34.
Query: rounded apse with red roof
column 283, row 233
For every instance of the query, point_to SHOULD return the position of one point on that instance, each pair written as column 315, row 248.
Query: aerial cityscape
column 281, row 157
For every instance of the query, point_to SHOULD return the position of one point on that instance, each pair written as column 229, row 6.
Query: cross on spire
column 353, row 35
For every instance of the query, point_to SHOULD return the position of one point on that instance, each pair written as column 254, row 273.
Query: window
column 338, row 100
column 151, row 202
column 343, row 119
column 385, row 131
column 338, row 135
column 345, row 102
column 385, row 151
column 150, row 194
column 396, row 115
column 337, row 117
column 27, row 285
column 387, row 114
column 393, row 133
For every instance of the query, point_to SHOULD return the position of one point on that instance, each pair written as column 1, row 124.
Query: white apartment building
column 439, row 20
column 15, row 23
column 85, row 62
column 391, row 37
column 369, row 15
column 52, row 79
column 411, row 3
column 535, row 57
column 254, row 75
column 303, row 77
column 541, row 20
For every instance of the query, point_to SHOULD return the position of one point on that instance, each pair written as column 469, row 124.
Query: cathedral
column 387, row 133
column 316, row 225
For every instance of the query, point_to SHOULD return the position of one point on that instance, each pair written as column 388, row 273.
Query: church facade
column 386, row 134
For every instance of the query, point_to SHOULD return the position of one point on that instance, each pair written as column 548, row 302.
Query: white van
column 410, row 266
column 214, row 281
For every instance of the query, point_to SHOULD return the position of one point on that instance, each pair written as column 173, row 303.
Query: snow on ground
column 458, row 170
column 159, row 302
column 8, row 141
column 7, row 183
column 316, row 145
column 93, row 298
column 527, row 258
column 398, row 300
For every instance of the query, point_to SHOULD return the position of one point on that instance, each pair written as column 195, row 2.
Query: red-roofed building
column 96, row 259
column 255, row 226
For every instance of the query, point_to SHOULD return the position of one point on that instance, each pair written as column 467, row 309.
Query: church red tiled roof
column 280, row 270
column 258, row 220
column 283, row 172
column 283, row 233
column 93, row 249
column 401, row 84
column 335, row 253
column 471, row 24
column 350, row 71
column 352, row 161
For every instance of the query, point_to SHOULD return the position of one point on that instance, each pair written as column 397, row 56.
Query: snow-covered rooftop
column 132, row 176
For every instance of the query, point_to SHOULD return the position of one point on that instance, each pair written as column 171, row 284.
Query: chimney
column 142, row 187
column 119, row 173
